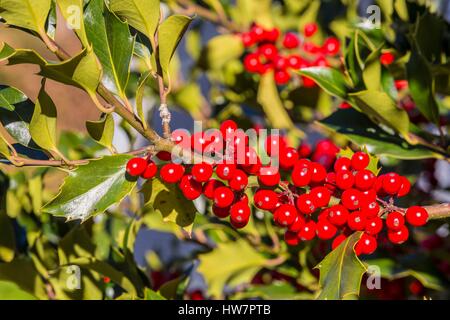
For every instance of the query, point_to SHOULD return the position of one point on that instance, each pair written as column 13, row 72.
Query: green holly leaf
column 223, row 266
column 82, row 71
column 102, row 130
column 421, row 86
column 215, row 57
column 140, row 95
column 7, row 239
column 329, row 79
column 72, row 11
column 43, row 122
column 11, row 291
column 143, row 15
column 269, row 98
column 4, row 148
column 170, row 33
column 341, row 271
column 10, row 96
column 169, row 201
column 28, row 14
column 359, row 129
column 379, row 106
column 91, row 189
column 112, row 43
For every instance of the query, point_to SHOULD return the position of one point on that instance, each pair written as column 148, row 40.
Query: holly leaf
column 82, row 71
column 215, row 57
column 11, row 291
column 359, row 129
column 10, row 96
column 378, row 105
column 341, row 271
column 43, row 122
column 72, row 11
column 329, row 79
column 223, row 266
column 169, row 201
column 271, row 103
column 7, row 239
column 102, row 130
column 92, row 188
column 170, row 33
column 112, row 43
column 28, row 14
column 143, row 15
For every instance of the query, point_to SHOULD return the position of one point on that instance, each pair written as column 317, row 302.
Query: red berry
column 398, row 236
column 374, row 225
column 294, row 61
column 288, row 157
column 227, row 128
column 210, row 187
column 199, row 141
column 338, row 215
column 318, row 172
column 366, row 245
column 351, row 199
column 416, row 216
column 342, row 163
column 225, row 171
column 304, row 150
column 291, row 238
column 344, row 179
column 190, row 188
column 364, row 180
column 271, row 35
column 171, row 172
column 311, row 47
column 239, row 180
column 258, row 32
column 268, row 50
column 248, row 39
column 307, row 231
column 395, row 221
column 274, row 144
column 280, row 63
column 269, row 176
column 285, row 215
column 297, row 225
column 325, row 230
column 387, row 58
column 282, row 77
column 308, row 82
column 221, row 212
column 136, row 166
column 239, row 214
column 265, row 199
column 305, row 204
column 223, row 197
column 370, row 209
column 360, row 160
column 338, row 240
column 150, row 170
column 392, row 183
column 310, row 29
column 405, row 187
column 164, row 155
column 320, row 196
column 252, row 62
column 331, row 46
column 301, row 174
column 356, row 221
column 202, row 171
column 327, row 146
column 290, row 40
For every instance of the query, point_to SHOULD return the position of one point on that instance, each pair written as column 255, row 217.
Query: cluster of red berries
column 324, row 196
column 270, row 51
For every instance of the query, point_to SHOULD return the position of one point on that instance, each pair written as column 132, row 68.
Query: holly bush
column 230, row 149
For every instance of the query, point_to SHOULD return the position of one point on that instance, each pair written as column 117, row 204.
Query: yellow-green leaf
column 214, row 56
column 102, row 130
column 28, row 14
column 72, row 11
column 143, row 15
column 43, row 122
column 169, row 201
column 7, row 239
column 230, row 262
column 341, row 271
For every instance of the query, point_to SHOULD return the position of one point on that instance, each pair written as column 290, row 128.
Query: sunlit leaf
column 10, row 96
column 102, row 130
column 72, row 11
column 28, row 14
column 329, row 79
